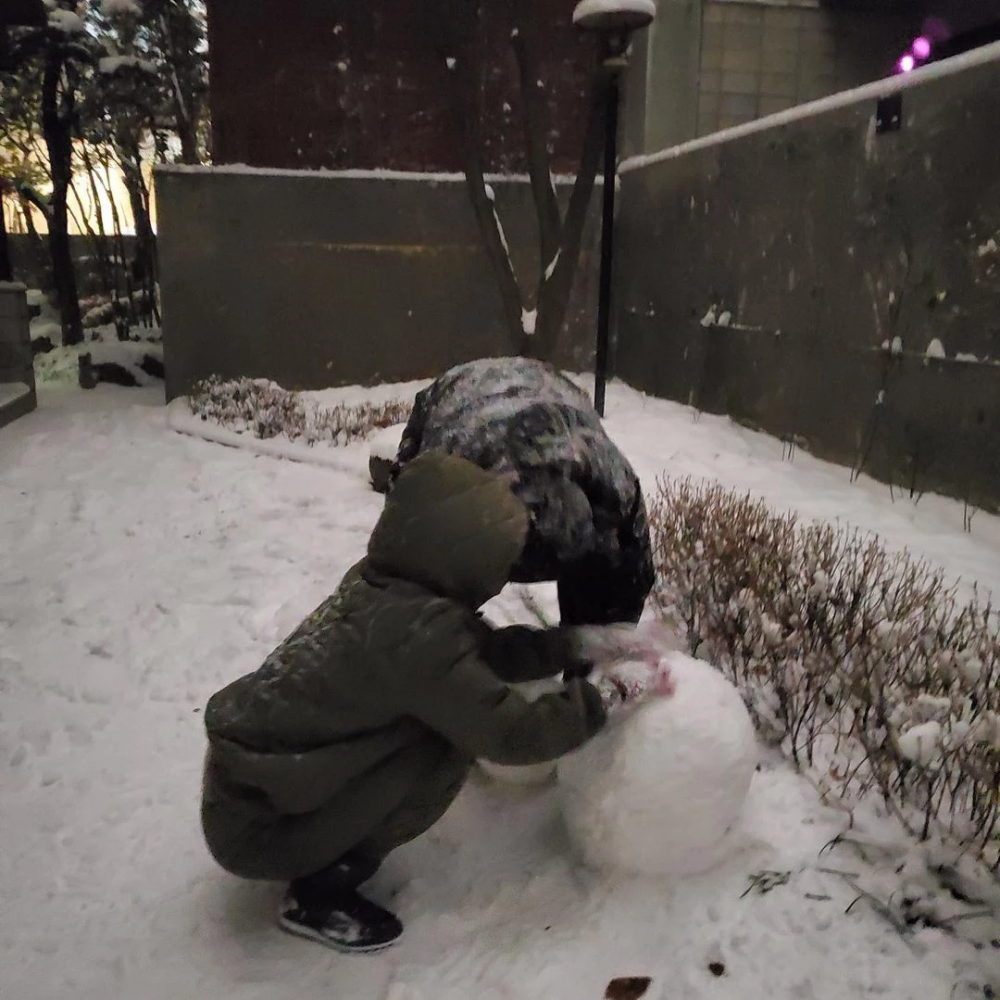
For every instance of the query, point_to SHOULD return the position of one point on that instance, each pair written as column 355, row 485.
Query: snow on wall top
column 11, row 391
column 374, row 174
column 869, row 92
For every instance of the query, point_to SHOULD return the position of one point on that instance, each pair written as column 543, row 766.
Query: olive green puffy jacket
column 399, row 650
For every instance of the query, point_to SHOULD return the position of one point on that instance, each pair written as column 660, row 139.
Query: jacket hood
column 451, row 527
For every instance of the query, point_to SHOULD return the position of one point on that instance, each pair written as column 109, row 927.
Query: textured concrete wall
column 317, row 280
column 826, row 240
column 16, row 360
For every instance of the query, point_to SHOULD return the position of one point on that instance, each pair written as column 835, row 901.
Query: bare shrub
column 264, row 409
column 861, row 662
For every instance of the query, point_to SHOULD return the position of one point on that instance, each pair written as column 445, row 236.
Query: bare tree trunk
column 39, row 249
column 6, row 269
column 29, row 218
column 124, row 289
column 560, row 239
column 536, row 128
column 557, row 283
column 144, row 257
column 185, row 116
column 470, row 78
column 100, row 238
column 59, row 143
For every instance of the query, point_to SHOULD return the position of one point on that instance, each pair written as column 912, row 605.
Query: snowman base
column 661, row 789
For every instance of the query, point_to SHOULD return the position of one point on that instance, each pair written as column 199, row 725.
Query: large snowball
column 530, row 774
column 661, row 790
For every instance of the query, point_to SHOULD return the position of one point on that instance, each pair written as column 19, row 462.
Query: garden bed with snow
column 102, row 356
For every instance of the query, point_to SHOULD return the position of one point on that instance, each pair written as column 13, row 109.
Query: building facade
column 339, row 84
column 708, row 65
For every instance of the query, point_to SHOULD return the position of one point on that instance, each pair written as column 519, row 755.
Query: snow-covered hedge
column 865, row 664
column 264, row 409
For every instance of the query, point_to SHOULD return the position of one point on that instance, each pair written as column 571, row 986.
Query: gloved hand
column 577, row 669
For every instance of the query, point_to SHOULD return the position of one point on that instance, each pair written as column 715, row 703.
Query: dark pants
column 389, row 806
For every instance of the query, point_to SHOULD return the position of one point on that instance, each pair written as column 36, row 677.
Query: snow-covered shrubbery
column 866, row 665
column 264, row 409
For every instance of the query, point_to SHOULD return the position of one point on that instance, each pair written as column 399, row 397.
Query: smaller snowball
column 897, row 345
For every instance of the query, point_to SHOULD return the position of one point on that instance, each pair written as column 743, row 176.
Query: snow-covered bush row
column 865, row 664
column 264, row 409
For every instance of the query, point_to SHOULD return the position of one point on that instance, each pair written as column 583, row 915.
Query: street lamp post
column 615, row 20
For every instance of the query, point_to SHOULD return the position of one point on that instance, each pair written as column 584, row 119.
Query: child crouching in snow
column 359, row 730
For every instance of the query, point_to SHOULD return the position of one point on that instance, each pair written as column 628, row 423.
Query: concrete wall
column 315, row 279
column 826, row 239
column 16, row 359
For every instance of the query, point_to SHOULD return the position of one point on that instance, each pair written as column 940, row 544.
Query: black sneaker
column 346, row 922
column 354, row 869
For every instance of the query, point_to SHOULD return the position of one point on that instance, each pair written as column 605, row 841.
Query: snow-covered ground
column 142, row 569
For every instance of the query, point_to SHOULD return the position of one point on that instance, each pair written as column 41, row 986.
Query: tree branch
column 557, row 283
column 535, row 123
column 468, row 77
column 30, row 195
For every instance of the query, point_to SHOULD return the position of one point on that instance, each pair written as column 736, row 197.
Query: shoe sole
column 345, row 949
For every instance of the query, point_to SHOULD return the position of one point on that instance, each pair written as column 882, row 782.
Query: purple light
column 907, row 64
column 922, row 47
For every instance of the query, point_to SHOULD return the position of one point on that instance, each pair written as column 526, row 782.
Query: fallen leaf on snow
column 627, row 988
